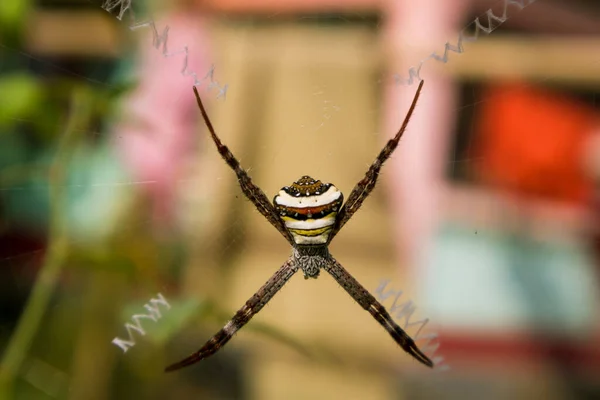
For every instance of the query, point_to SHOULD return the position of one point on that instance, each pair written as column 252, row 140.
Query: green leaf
column 184, row 312
column 12, row 18
column 21, row 97
column 272, row 332
column 172, row 320
column 282, row 337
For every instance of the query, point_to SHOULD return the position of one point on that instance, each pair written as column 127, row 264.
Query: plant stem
column 58, row 245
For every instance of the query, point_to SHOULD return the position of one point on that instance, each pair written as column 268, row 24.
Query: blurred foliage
column 31, row 112
column 21, row 99
column 13, row 16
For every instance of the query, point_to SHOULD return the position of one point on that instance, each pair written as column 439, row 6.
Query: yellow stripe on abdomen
column 311, row 232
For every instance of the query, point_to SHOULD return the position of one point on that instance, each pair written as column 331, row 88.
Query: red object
column 530, row 141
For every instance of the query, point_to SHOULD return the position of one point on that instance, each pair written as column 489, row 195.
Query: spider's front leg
column 250, row 190
column 244, row 314
column 366, row 185
column 376, row 309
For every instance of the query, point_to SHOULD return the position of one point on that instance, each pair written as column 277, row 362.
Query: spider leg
column 366, row 185
column 244, row 314
column 251, row 191
column 369, row 303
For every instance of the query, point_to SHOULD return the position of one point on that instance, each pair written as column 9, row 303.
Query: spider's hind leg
column 241, row 318
column 368, row 302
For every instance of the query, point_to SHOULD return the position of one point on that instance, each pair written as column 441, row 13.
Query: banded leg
column 244, row 314
column 376, row 309
column 365, row 186
column 251, row 191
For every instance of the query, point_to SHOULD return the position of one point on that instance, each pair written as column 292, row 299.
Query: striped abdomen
column 308, row 208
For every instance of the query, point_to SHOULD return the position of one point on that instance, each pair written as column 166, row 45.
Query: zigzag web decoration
column 154, row 315
column 493, row 22
column 405, row 311
column 161, row 41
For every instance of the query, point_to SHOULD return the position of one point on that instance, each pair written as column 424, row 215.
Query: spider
column 308, row 214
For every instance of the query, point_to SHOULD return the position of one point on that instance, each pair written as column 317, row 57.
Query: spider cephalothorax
column 311, row 259
column 309, row 208
column 308, row 214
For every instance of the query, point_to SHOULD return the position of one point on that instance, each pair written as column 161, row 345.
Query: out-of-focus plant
column 12, row 19
column 36, row 306
column 21, row 99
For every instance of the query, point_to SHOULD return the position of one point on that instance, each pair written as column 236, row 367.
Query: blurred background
column 487, row 217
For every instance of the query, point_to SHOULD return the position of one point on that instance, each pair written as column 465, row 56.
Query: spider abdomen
column 308, row 208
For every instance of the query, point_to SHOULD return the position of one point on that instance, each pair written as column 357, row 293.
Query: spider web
column 316, row 84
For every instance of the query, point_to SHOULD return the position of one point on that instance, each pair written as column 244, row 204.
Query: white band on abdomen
column 331, row 195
